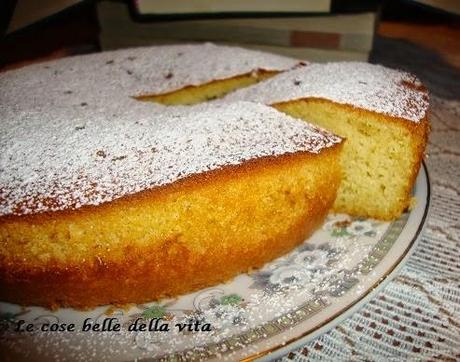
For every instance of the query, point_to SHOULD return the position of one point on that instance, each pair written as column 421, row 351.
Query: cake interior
column 205, row 92
column 380, row 159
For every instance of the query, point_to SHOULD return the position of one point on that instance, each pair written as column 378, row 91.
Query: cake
column 105, row 199
column 133, row 175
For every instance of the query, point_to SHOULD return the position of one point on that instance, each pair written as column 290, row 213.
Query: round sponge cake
column 106, row 198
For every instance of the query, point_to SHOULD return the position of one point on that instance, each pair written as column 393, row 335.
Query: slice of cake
column 380, row 111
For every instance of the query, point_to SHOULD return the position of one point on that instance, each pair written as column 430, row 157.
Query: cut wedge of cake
column 382, row 113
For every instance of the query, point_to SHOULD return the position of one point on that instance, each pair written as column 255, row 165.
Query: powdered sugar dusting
column 104, row 78
column 96, row 160
column 72, row 134
column 371, row 87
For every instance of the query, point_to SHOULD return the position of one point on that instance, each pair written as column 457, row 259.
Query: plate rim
column 281, row 349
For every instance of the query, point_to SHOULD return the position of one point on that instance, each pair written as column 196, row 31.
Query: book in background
column 209, row 7
column 324, row 37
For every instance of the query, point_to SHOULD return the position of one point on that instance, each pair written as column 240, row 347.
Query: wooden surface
column 442, row 38
column 428, row 47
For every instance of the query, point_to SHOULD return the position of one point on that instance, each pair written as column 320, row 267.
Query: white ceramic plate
column 262, row 315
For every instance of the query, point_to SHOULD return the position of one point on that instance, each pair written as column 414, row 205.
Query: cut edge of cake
column 380, row 160
column 216, row 89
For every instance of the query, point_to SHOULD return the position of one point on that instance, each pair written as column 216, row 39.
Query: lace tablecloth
column 417, row 315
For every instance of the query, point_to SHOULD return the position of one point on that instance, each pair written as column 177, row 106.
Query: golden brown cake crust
column 281, row 200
